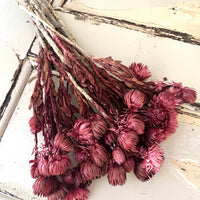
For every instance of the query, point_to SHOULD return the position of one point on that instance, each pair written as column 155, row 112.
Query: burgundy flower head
column 90, row 170
column 45, row 186
column 188, row 95
column 116, row 175
column 134, row 99
column 152, row 159
column 118, row 155
column 99, row 154
column 128, row 140
column 141, row 71
column 134, row 122
column 98, row 125
column 58, row 164
column 62, row 142
column 161, row 124
column 78, row 194
column 82, row 132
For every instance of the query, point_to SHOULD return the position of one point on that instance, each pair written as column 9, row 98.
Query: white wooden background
column 169, row 58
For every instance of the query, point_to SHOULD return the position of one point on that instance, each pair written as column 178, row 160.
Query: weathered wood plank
column 179, row 21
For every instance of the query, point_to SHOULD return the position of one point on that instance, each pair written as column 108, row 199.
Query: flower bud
column 118, row 155
column 99, row 154
column 63, row 143
column 77, row 194
column 129, row 164
column 135, row 123
column 152, row 159
column 141, row 71
column 116, row 175
column 98, row 125
column 134, row 99
column 44, row 186
column 128, row 140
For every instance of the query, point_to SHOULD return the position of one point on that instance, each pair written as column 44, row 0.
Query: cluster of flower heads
column 132, row 117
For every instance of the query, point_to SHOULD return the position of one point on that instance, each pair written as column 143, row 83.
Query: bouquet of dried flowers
column 106, row 116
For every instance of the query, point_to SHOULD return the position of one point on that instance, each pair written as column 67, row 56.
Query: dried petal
column 99, row 154
column 134, row 99
column 188, row 95
column 34, row 127
column 118, row 155
column 116, row 175
column 43, row 166
column 34, row 169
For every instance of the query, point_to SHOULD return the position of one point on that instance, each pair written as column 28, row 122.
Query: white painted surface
column 166, row 58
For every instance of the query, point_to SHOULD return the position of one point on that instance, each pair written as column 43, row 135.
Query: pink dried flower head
column 168, row 100
column 128, row 140
column 90, row 170
column 110, row 138
column 134, row 99
column 68, row 177
column 129, row 164
column 78, row 194
column 141, row 71
column 35, row 127
column 98, row 125
column 45, row 186
column 152, row 159
column 188, row 95
column 62, row 142
column 60, row 194
column 82, row 132
column 43, row 166
column 34, row 169
column 99, row 154
column 58, row 164
column 135, row 123
column 161, row 124
column 81, row 154
column 118, row 155
column 116, row 174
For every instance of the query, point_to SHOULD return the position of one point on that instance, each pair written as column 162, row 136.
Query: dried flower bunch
column 109, row 117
